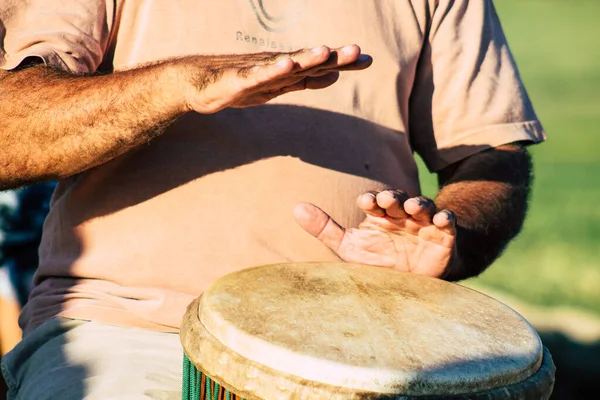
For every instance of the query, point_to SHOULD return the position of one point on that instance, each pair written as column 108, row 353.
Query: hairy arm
column 54, row 124
column 488, row 193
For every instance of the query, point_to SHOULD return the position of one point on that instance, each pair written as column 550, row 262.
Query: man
column 170, row 177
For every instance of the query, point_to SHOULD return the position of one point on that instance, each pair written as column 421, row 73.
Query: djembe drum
column 346, row 331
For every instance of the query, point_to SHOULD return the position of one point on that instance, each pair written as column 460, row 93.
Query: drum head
column 359, row 328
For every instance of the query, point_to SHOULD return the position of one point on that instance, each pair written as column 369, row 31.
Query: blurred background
column 551, row 272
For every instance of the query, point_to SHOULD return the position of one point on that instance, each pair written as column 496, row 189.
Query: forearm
column 53, row 124
column 488, row 192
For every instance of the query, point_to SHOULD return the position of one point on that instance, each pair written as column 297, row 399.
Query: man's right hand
column 218, row 82
column 54, row 124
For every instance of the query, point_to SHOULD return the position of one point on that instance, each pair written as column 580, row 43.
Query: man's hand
column 487, row 193
column 54, row 124
column 247, row 80
column 407, row 234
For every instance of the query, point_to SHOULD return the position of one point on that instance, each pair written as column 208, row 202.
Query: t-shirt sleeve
column 71, row 35
column 468, row 95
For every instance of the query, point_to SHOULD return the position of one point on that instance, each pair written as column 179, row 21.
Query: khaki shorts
column 67, row 359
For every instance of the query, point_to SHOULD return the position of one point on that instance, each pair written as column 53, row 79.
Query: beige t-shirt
column 133, row 241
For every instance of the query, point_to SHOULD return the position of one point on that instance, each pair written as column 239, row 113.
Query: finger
column 312, row 83
column 321, row 60
column 240, row 87
column 420, row 208
column 260, row 75
column 265, row 96
column 302, row 84
column 303, row 58
column 348, row 58
column 275, row 76
column 392, row 201
column 223, row 61
column 367, row 202
column 296, row 82
column 321, row 82
column 446, row 221
column 316, row 222
column 309, row 58
column 364, row 61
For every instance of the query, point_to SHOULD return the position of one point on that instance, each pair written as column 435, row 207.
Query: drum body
column 346, row 331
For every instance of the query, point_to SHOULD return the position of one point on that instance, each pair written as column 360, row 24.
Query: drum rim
column 391, row 378
column 258, row 382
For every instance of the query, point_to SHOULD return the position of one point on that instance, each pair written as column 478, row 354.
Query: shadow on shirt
column 200, row 145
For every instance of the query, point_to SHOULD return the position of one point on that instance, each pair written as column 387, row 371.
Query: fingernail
column 347, row 49
column 318, row 49
column 364, row 57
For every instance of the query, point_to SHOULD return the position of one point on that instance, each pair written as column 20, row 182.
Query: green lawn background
column 556, row 259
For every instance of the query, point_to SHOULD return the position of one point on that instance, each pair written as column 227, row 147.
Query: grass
column 556, row 259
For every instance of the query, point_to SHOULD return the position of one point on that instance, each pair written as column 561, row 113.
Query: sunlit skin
column 55, row 124
column 254, row 79
column 399, row 232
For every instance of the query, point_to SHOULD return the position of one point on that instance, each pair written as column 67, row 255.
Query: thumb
column 316, row 222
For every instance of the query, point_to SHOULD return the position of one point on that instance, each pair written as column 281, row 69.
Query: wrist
column 456, row 269
column 193, row 75
column 175, row 86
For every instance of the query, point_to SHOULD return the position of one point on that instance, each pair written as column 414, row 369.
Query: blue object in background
column 22, row 215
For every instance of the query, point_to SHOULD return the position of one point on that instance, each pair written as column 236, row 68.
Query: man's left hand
column 408, row 234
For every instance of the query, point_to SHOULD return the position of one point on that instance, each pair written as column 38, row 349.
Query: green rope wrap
column 192, row 380
column 216, row 394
